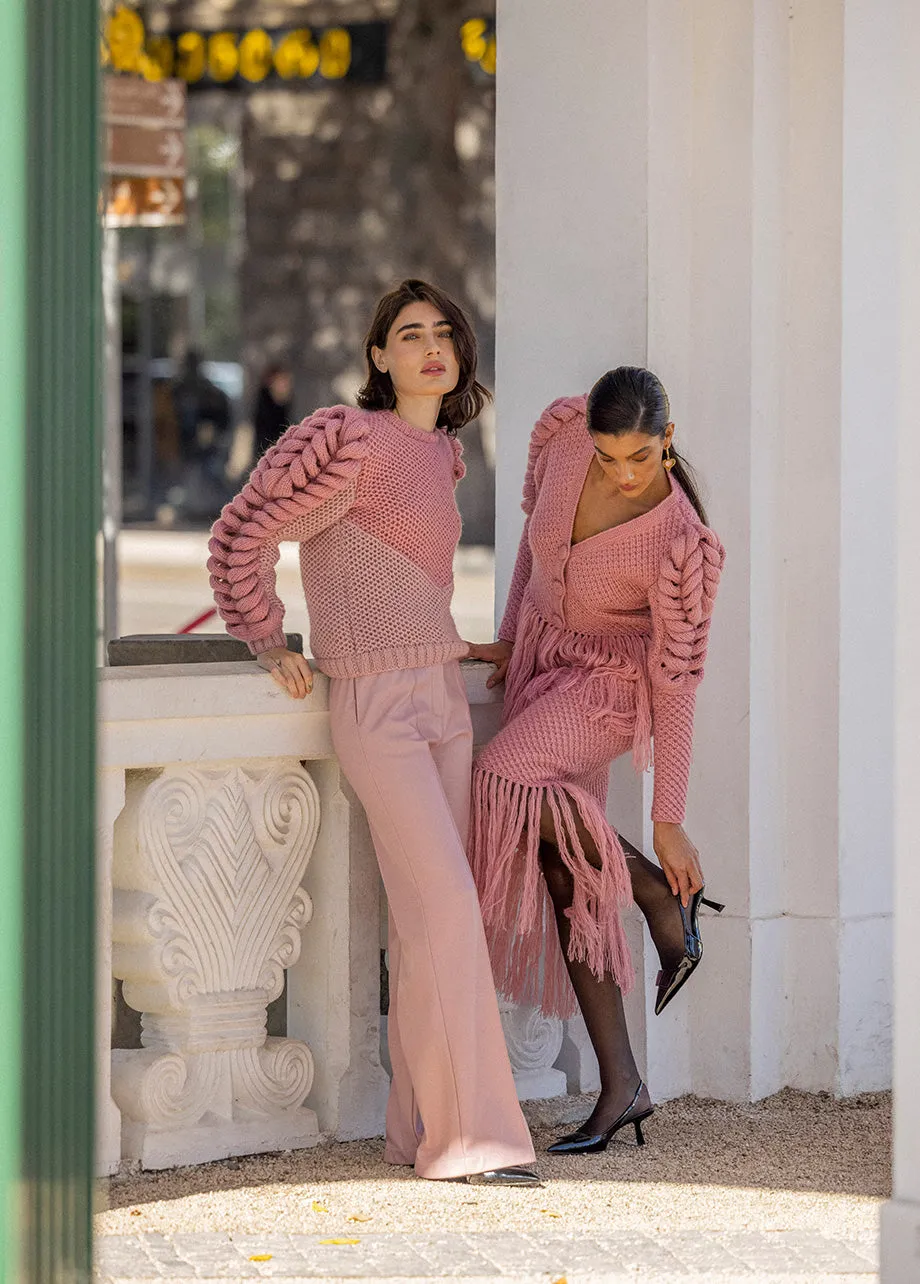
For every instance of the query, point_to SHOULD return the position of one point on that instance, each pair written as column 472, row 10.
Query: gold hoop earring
column 669, row 461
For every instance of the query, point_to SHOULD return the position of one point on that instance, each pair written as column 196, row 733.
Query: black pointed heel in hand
column 669, row 982
column 582, row 1142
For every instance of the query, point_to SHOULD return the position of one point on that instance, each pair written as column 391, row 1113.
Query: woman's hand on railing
column 497, row 653
column 290, row 670
column 679, row 859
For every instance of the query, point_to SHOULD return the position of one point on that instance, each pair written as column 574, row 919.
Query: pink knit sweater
column 370, row 500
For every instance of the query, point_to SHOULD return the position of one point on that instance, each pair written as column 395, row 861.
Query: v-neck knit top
column 631, row 603
column 370, row 500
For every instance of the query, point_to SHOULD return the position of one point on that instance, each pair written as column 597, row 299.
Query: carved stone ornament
column 208, row 911
column 533, row 1041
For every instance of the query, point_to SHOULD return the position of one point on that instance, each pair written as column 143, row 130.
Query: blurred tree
column 348, row 187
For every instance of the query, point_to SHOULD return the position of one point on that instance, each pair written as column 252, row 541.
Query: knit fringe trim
column 548, row 658
column 516, row 908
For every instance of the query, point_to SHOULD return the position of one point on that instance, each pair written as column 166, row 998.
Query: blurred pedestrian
column 202, row 408
column 272, row 412
column 369, row 495
column 204, row 414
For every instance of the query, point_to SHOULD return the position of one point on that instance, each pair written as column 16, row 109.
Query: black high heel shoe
column 581, row 1142
column 670, row 982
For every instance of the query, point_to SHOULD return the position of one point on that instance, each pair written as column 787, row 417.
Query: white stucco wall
column 901, row 1217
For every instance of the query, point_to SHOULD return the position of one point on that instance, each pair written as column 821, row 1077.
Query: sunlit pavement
column 696, row 1258
column 163, row 585
column 786, row 1191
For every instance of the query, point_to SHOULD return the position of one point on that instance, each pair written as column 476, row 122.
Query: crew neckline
column 421, row 434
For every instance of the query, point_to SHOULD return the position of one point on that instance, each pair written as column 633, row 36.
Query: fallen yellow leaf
column 319, row 1208
column 561, row 1280
column 340, row 1241
column 550, row 1213
column 261, row 1257
column 358, row 1217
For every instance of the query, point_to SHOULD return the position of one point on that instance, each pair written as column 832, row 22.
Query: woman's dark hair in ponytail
column 630, row 399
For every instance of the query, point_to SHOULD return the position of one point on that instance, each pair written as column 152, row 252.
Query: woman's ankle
column 614, row 1099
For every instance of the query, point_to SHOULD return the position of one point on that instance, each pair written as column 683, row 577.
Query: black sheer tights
column 600, row 999
column 650, row 888
column 652, row 893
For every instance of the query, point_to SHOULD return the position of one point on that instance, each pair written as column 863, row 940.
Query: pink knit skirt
column 573, row 704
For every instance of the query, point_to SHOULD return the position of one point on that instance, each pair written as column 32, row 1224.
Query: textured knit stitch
column 609, row 640
column 370, row 499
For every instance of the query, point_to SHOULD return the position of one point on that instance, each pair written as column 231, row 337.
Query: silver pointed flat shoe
column 517, row 1175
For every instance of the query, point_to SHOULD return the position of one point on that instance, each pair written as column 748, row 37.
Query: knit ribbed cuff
column 667, row 815
column 278, row 638
column 672, row 743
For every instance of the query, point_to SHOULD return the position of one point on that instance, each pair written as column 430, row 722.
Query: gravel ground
column 792, row 1162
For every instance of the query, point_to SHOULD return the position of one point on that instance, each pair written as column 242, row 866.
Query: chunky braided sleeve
column 459, row 465
column 558, row 412
column 682, row 602
column 299, row 487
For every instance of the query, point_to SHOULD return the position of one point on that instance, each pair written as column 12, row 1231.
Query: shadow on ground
column 792, row 1160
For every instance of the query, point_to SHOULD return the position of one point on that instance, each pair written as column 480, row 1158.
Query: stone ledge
column 231, row 689
column 183, row 648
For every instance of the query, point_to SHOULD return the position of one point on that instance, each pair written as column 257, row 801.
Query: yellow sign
column 220, row 57
column 477, row 38
column 354, row 52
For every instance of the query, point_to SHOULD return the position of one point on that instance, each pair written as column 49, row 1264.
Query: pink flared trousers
column 404, row 741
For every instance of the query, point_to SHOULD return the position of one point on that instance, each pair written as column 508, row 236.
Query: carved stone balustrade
column 234, row 865
column 534, row 1042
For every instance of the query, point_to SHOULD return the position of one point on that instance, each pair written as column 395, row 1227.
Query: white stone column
column 875, row 110
column 571, row 270
column 570, row 204
column 701, row 225
column 901, row 1216
column 744, row 176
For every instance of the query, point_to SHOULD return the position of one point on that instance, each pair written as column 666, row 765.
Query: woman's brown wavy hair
column 467, row 400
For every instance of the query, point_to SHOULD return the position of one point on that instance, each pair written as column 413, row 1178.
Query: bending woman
column 369, row 496
column 602, row 645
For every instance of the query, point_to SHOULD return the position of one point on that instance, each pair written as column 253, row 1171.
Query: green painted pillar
column 12, row 443
column 49, row 413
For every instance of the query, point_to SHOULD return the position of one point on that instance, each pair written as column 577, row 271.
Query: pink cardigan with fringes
column 655, row 578
column 370, row 500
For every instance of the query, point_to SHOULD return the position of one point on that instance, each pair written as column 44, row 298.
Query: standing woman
column 369, row 495
column 601, row 649
column 271, row 413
